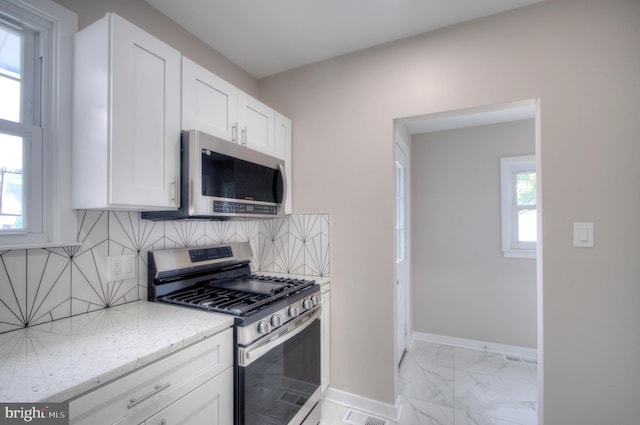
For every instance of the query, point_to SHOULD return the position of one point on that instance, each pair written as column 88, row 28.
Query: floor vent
column 521, row 360
column 358, row 418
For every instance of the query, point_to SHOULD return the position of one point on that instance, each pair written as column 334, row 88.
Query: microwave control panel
column 225, row 207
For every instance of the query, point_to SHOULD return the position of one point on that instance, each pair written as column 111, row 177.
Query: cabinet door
column 255, row 124
column 282, row 136
column 211, row 403
column 145, row 122
column 209, row 103
column 283, row 150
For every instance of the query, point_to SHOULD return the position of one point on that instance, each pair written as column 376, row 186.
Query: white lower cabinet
column 181, row 388
column 208, row 404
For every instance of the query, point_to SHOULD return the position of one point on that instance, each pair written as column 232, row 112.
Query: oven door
column 278, row 379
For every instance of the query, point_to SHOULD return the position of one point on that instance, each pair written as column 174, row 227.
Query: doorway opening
column 458, row 302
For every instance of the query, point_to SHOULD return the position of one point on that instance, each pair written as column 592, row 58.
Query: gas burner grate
column 237, row 297
column 289, row 281
column 216, row 299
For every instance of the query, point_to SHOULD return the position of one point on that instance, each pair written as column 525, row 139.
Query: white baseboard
column 530, row 353
column 364, row 404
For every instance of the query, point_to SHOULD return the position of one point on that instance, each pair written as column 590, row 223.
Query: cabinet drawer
column 211, row 404
column 155, row 386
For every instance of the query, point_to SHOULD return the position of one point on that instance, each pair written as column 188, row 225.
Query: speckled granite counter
column 59, row 360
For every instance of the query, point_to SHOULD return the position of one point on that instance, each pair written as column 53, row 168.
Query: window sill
column 39, row 245
column 526, row 254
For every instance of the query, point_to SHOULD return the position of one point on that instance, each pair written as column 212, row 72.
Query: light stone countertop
column 60, row 360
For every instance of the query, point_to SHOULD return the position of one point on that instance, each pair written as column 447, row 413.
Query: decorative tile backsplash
column 41, row 285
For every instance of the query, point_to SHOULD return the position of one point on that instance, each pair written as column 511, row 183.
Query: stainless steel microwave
column 224, row 180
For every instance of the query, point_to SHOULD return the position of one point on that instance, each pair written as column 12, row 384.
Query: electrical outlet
column 121, row 267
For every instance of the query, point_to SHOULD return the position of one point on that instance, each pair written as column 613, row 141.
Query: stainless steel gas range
column 276, row 328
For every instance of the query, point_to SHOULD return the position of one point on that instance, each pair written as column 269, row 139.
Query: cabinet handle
column 175, row 197
column 234, row 133
column 134, row 402
column 244, row 136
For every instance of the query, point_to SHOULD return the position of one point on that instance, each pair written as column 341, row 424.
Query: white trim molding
column 514, row 350
column 364, row 404
column 51, row 186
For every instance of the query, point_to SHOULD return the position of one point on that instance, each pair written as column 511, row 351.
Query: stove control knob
column 307, row 304
column 315, row 300
column 276, row 320
column 263, row 327
column 293, row 312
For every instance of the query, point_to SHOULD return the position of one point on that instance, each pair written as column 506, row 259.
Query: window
column 519, row 208
column 35, row 87
column 20, row 128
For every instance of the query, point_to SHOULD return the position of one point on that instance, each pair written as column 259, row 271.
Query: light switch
column 583, row 235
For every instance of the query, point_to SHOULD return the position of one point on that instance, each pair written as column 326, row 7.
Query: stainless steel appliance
column 220, row 179
column 276, row 327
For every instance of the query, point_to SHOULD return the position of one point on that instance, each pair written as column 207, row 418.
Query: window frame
column 509, row 168
column 47, row 134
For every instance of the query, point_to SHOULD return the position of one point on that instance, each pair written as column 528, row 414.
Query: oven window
column 227, row 177
column 273, row 388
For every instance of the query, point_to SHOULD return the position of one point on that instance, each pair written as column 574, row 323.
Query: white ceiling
column 265, row 37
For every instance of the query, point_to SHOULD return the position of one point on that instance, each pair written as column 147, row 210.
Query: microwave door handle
column 283, row 183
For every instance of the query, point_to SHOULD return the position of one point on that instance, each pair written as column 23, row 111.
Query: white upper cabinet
column 283, row 150
column 209, row 103
column 256, row 124
column 214, row 106
column 126, row 143
column 132, row 96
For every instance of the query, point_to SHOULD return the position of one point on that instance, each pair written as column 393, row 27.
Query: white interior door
column 402, row 248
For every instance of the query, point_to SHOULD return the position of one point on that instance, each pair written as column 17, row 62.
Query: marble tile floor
column 444, row 385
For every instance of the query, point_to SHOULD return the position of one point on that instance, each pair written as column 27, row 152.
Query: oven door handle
column 248, row 355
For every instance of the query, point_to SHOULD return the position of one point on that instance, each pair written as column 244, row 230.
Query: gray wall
column 462, row 285
column 581, row 59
